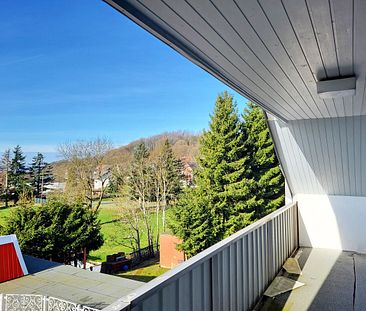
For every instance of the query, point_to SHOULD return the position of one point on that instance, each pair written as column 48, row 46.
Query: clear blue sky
column 79, row 69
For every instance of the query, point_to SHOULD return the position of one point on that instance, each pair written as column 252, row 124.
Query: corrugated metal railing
column 25, row 302
column 230, row 275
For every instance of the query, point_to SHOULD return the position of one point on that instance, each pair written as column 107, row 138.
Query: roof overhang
column 272, row 52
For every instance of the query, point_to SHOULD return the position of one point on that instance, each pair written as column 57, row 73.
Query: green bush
column 56, row 231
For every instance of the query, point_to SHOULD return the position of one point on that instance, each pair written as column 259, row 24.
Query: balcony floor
column 334, row 280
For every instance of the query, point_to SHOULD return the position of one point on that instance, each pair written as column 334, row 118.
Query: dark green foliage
column 224, row 200
column 17, row 174
column 264, row 166
column 40, row 173
column 5, row 170
column 192, row 222
column 56, row 231
column 238, row 179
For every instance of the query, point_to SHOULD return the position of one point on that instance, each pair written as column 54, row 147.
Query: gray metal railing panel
column 230, row 275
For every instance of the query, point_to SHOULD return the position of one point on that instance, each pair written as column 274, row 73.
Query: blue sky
column 74, row 70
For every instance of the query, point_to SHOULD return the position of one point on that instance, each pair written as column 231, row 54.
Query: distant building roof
column 92, row 289
column 55, row 186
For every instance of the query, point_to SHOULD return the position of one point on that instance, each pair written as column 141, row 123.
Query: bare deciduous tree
column 139, row 183
column 167, row 174
column 131, row 215
column 86, row 163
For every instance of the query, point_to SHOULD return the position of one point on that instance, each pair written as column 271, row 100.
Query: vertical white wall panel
column 334, row 226
column 323, row 156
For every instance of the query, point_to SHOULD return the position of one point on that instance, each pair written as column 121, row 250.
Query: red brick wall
column 169, row 255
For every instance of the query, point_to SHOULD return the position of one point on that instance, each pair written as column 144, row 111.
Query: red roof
column 11, row 259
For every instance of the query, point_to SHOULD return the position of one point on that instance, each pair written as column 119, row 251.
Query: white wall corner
column 333, row 222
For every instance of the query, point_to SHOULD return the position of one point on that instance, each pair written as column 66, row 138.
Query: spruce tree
column 17, row 175
column 223, row 201
column 264, row 167
column 170, row 173
column 40, row 173
column 191, row 221
column 5, row 168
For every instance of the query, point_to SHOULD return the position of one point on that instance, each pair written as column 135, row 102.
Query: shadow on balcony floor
column 334, row 280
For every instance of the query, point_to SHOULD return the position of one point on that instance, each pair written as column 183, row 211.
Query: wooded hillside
column 184, row 144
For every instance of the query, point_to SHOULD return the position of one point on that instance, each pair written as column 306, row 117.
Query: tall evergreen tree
column 223, row 201
column 17, row 175
column 170, row 173
column 192, row 221
column 40, row 173
column 5, row 168
column 264, row 167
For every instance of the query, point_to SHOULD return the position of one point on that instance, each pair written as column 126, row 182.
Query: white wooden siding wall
column 271, row 51
column 323, row 156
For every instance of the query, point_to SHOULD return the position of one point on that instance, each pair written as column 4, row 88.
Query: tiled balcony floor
column 334, row 280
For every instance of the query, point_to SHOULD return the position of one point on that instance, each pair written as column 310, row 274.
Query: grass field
column 144, row 272
column 4, row 213
column 115, row 232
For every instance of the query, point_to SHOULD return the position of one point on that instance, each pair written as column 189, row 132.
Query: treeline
column 238, row 179
column 184, row 145
column 144, row 187
column 19, row 181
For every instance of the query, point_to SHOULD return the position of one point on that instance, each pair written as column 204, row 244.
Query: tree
column 17, row 174
column 56, row 231
column 5, row 167
column 166, row 171
column 40, row 173
column 132, row 217
column 264, row 166
column 192, row 221
column 223, row 201
column 139, row 184
column 85, row 164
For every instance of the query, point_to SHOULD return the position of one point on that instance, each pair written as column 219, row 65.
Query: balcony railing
column 230, row 275
column 25, row 302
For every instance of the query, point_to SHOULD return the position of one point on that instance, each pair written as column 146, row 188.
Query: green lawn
column 145, row 272
column 115, row 232
column 4, row 213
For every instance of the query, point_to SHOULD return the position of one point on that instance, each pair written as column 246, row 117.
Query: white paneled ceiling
column 273, row 52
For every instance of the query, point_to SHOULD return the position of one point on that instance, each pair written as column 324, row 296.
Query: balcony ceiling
column 272, row 52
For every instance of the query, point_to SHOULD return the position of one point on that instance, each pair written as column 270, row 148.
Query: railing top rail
column 172, row 275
